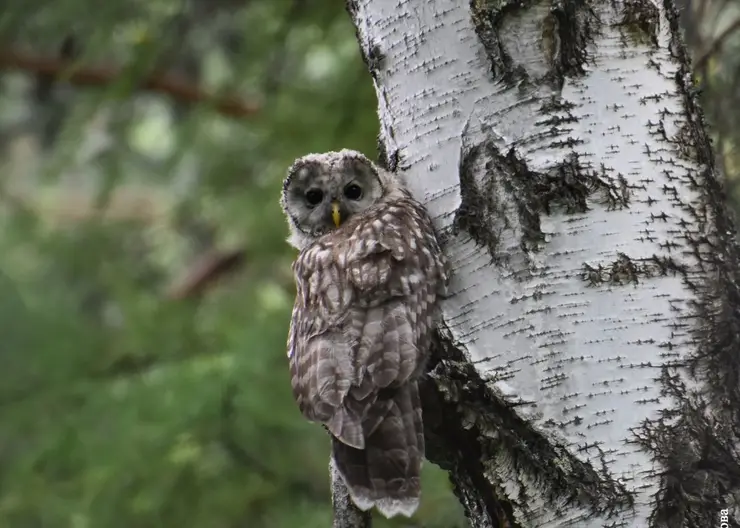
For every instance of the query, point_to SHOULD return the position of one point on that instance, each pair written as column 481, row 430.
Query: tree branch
column 346, row 514
column 204, row 272
column 172, row 85
column 716, row 45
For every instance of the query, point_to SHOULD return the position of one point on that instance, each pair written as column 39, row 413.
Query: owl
column 368, row 278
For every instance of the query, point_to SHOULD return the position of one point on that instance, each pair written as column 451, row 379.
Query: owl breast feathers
column 360, row 334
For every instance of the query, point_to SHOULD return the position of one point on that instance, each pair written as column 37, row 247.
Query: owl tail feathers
column 391, row 498
column 386, row 473
column 389, row 507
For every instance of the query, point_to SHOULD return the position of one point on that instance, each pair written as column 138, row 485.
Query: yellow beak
column 335, row 216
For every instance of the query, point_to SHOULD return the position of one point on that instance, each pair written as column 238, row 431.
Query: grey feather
column 365, row 308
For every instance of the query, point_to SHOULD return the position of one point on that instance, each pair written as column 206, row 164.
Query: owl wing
column 390, row 269
column 319, row 352
column 363, row 317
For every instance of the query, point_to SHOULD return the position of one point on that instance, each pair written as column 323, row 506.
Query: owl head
column 322, row 191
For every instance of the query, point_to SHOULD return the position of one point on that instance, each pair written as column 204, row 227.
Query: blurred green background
column 135, row 389
column 145, row 284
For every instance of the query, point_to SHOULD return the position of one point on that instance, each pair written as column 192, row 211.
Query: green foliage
column 121, row 405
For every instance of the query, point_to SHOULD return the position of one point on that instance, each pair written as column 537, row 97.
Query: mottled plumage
column 368, row 277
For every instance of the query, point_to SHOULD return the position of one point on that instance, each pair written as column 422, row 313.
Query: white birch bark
column 559, row 149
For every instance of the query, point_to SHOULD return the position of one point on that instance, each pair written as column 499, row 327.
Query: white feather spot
column 364, row 503
column 392, row 507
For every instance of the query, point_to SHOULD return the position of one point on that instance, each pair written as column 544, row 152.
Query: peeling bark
column 587, row 372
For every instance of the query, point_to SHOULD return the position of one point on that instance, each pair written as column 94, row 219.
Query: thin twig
column 172, row 85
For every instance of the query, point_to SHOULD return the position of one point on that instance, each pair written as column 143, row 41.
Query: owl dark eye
column 353, row 191
column 314, row 197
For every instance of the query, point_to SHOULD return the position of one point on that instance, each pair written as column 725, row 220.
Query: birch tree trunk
column 588, row 370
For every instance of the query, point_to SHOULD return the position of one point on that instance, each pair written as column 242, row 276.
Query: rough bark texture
column 588, row 369
column 346, row 514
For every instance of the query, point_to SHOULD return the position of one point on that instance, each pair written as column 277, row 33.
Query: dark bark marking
column 468, row 425
column 683, row 142
column 389, row 163
column 576, row 24
column 641, row 20
column 474, row 211
column 375, row 59
column 566, row 32
column 487, row 16
column 371, row 52
column 696, row 440
column 626, row 270
column 489, row 181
